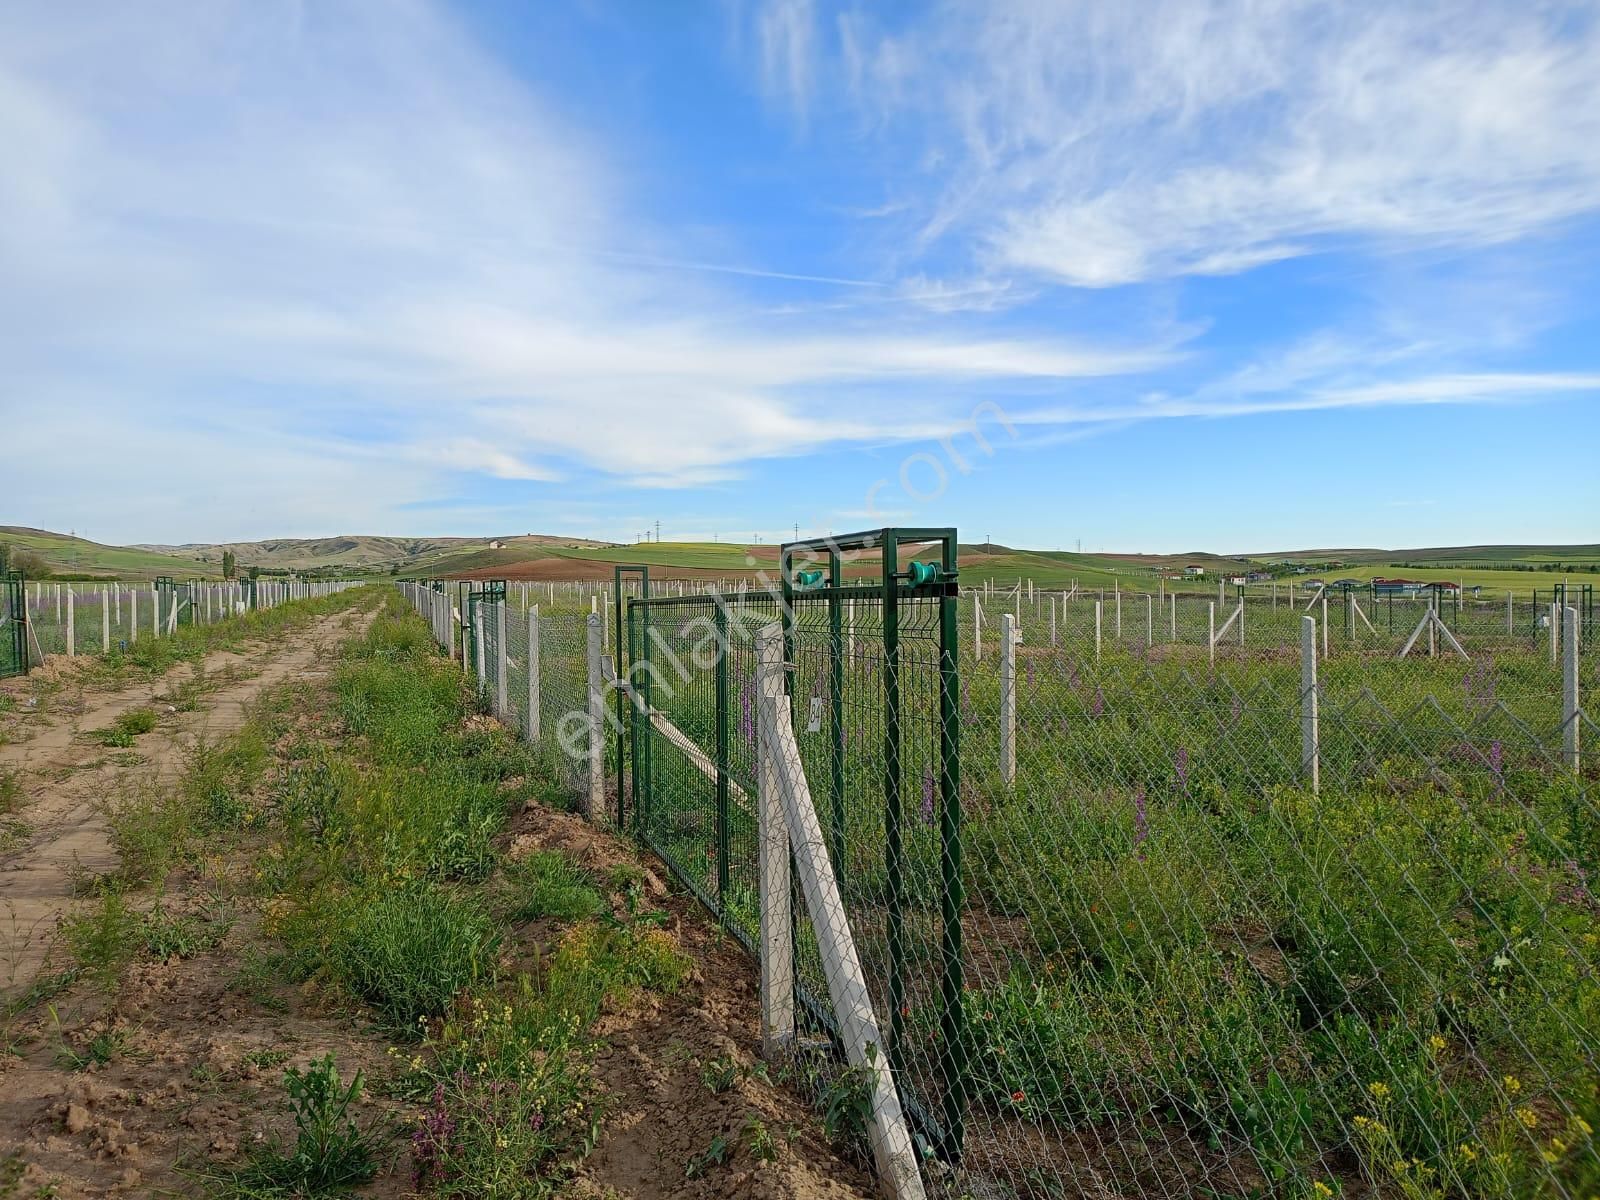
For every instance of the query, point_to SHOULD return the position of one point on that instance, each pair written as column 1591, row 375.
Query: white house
column 1193, row 570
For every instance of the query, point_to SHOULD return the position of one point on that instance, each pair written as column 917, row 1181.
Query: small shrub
column 331, row 1152
column 10, row 790
column 714, row 1155
column 103, row 938
column 720, row 1074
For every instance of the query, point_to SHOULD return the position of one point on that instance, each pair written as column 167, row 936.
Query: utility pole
column 658, row 532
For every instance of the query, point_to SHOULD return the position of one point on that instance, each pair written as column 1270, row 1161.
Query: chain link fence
column 1299, row 918
column 79, row 618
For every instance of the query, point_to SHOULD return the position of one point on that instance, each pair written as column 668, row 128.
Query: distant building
column 497, row 545
column 1237, row 580
column 1258, row 577
column 1397, row 587
column 1193, row 570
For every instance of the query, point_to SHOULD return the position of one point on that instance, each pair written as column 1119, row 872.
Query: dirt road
column 66, row 775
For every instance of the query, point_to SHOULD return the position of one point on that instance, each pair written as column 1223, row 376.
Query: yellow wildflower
column 1528, row 1117
column 1513, row 1084
column 1378, row 1088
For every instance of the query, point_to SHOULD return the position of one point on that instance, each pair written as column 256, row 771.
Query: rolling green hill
column 547, row 556
column 68, row 556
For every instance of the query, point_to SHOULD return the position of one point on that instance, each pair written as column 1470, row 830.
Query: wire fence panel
column 1280, row 915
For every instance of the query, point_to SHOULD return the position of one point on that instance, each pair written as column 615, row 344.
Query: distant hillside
column 1485, row 557
column 68, row 555
column 547, row 556
column 367, row 552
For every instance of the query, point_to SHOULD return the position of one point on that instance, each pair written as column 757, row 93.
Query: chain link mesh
column 1188, row 969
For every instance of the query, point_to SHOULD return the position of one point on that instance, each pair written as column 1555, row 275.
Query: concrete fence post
column 479, row 664
column 1008, row 699
column 105, row 621
column 1099, row 606
column 977, row 626
column 1310, row 744
column 72, row 632
column 533, row 674
column 501, row 696
column 1119, row 615
column 1211, row 632
column 1555, row 633
column 1571, row 718
column 1149, row 621
column 133, row 615
column 597, row 718
column 772, row 839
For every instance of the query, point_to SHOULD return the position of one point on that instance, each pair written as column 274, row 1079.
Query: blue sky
column 1228, row 276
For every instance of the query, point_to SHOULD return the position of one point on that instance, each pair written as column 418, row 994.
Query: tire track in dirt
column 67, row 777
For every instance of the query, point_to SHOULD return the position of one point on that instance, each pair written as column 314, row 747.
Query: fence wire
column 1188, row 968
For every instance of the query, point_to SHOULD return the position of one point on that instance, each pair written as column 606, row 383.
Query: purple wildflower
column 1097, row 706
column 927, row 795
column 1497, row 763
column 1141, row 824
column 1180, row 767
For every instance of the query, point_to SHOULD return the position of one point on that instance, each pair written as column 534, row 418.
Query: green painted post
column 836, row 711
column 620, row 669
column 894, row 853
column 952, row 1017
column 722, row 759
column 635, row 733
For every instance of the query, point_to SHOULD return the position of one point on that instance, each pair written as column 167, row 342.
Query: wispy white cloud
column 1101, row 145
column 348, row 226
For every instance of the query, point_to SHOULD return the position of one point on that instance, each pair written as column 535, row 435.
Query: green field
column 75, row 556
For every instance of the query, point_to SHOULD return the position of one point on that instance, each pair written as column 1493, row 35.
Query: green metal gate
column 13, row 625
column 872, row 673
column 175, row 603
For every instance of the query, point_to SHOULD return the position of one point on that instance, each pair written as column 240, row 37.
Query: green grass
column 1172, row 937
column 81, row 558
column 548, row 884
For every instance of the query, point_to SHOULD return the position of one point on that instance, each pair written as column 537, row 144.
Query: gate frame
column 17, row 583
column 894, row 585
column 625, row 719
